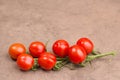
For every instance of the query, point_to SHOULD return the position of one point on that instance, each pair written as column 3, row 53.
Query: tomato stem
column 35, row 66
column 92, row 57
column 94, row 52
column 60, row 64
column 63, row 61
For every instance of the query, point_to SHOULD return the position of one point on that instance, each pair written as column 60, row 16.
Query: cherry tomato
column 60, row 48
column 47, row 61
column 36, row 48
column 77, row 54
column 16, row 49
column 86, row 44
column 25, row 61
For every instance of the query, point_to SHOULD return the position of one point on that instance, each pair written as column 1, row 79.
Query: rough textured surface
column 30, row 20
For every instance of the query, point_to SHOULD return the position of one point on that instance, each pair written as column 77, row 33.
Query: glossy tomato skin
column 86, row 44
column 60, row 48
column 25, row 62
column 36, row 48
column 77, row 54
column 16, row 49
column 47, row 61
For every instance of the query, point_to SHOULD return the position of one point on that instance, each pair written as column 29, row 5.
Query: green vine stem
column 35, row 66
column 60, row 64
column 94, row 52
column 92, row 57
column 63, row 61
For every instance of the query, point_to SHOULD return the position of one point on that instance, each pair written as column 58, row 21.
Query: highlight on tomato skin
column 60, row 48
column 47, row 61
column 16, row 49
column 86, row 43
column 77, row 54
column 36, row 48
column 25, row 62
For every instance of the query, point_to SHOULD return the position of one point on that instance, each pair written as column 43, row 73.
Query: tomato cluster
column 26, row 61
column 76, row 53
column 63, row 53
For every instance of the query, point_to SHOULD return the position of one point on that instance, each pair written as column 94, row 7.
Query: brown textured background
column 30, row 20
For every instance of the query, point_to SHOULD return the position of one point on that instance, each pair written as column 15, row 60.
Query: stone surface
column 42, row 20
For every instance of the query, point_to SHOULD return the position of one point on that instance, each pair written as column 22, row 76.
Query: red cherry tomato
column 25, row 61
column 77, row 54
column 60, row 48
column 16, row 49
column 86, row 44
column 36, row 48
column 47, row 61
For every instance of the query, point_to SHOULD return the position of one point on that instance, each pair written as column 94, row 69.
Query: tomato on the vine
column 47, row 61
column 16, row 49
column 36, row 48
column 76, row 54
column 25, row 61
column 60, row 48
column 86, row 44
